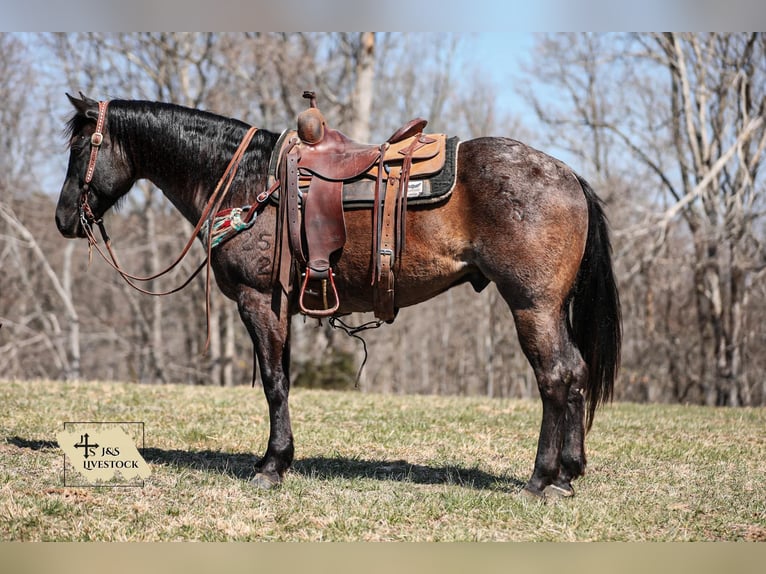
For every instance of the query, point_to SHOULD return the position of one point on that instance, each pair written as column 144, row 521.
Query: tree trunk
column 229, row 346
column 214, row 350
column 74, row 320
column 361, row 101
column 156, row 347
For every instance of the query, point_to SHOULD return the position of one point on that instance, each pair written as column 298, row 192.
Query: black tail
column 596, row 314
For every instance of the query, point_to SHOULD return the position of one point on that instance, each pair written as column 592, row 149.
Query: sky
column 394, row 15
column 501, row 55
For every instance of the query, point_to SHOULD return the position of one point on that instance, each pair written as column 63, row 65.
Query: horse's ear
column 85, row 106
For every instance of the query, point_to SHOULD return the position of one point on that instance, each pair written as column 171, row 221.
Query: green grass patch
column 377, row 467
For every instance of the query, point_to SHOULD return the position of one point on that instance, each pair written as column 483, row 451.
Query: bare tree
column 30, row 324
column 719, row 134
column 688, row 110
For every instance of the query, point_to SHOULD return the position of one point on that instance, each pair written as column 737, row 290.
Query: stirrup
column 323, row 278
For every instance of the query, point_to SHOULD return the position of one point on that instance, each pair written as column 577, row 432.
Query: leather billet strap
column 392, row 238
column 404, row 183
column 293, row 210
column 383, row 289
column 377, row 207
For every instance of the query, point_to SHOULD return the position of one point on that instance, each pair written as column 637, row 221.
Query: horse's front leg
column 269, row 329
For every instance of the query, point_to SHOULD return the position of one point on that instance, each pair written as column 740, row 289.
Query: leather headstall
column 96, row 139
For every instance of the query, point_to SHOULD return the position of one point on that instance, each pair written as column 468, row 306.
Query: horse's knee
column 276, row 388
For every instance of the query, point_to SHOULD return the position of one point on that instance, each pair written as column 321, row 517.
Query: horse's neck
column 185, row 172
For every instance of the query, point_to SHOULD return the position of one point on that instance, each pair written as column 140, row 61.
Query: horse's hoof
column 554, row 492
column 532, row 495
column 264, row 482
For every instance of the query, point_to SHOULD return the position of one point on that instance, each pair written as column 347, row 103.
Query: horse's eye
column 78, row 142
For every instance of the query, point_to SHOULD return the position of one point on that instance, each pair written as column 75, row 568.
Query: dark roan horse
column 516, row 217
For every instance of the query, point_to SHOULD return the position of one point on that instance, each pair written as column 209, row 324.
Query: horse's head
column 98, row 173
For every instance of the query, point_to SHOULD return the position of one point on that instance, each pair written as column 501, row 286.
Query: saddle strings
column 337, row 323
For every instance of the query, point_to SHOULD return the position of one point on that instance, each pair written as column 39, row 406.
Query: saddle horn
column 311, row 122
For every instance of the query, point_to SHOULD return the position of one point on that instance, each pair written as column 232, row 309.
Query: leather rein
column 213, row 205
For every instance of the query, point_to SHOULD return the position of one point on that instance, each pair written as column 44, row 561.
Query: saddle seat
column 331, row 154
column 337, row 157
column 346, row 160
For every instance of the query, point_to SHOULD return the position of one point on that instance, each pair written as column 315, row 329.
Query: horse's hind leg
column 560, row 373
column 270, row 335
column 573, row 459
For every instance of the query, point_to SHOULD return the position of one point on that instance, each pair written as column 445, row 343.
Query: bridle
column 88, row 219
column 96, row 139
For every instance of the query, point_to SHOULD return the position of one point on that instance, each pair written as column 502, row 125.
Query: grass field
column 377, row 467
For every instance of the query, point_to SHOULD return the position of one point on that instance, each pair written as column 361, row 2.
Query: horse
column 516, row 217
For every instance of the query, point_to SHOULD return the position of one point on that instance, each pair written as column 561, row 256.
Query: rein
column 213, row 205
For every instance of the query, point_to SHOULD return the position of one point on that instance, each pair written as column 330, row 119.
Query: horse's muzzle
column 69, row 227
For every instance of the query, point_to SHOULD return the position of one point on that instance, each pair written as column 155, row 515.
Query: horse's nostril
column 65, row 228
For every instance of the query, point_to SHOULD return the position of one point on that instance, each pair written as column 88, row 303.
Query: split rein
column 88, row 219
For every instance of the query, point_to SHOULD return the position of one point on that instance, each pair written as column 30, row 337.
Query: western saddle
column 314, row 163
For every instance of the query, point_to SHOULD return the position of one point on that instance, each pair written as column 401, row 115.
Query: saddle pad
column 360, row 193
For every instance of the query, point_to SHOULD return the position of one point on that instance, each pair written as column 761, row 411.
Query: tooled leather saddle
column 315, row 162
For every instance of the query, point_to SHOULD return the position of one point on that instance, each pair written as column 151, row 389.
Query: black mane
column 208, row 138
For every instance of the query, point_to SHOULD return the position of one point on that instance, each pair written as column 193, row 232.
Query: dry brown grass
column 372, row 467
